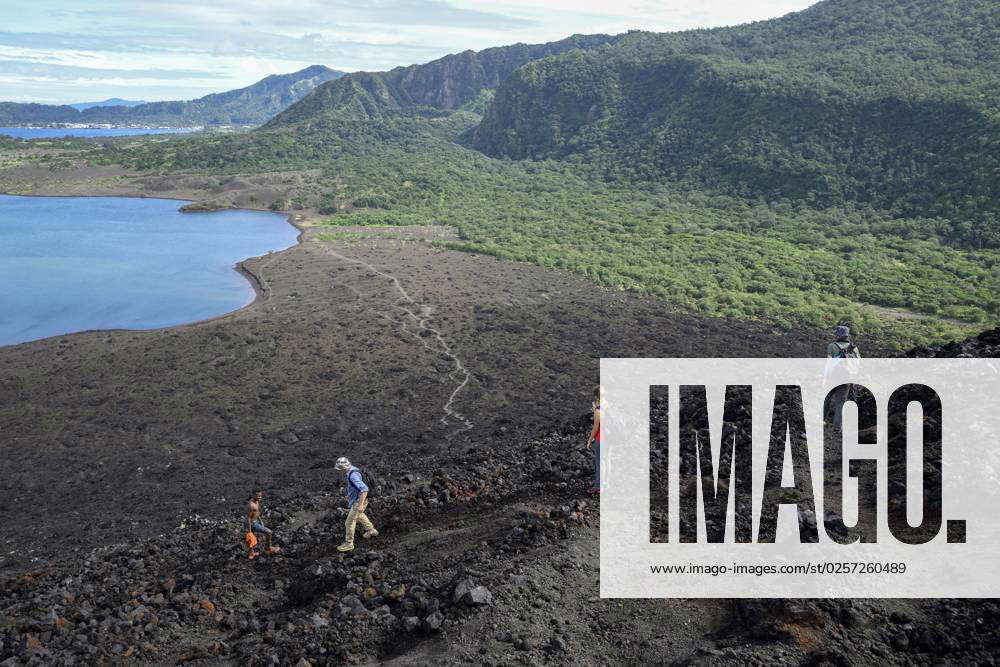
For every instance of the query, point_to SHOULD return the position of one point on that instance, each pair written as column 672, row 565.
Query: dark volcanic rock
column 488, row 539
column 433, row 621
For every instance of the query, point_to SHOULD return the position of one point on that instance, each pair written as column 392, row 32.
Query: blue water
column 50, row 132
column 77, row 263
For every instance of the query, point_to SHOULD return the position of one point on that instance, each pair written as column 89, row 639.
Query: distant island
column 249, row 106
column 114, row 126
column 110, row 102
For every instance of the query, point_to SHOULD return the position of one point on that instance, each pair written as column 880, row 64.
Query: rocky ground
column 463, row 381
column 485, row 558
column 67, row 172
column 385, row 349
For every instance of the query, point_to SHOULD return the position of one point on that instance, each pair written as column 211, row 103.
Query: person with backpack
column 839, row 370
column 358, row 489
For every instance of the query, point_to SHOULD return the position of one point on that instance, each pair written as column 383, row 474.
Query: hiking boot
column 253, row 554
column 274, row 550
column 370, row 534
column 346, row 546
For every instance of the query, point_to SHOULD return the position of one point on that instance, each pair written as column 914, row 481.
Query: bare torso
column 253, row 511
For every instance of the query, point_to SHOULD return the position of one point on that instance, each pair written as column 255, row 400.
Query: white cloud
column 240, row 41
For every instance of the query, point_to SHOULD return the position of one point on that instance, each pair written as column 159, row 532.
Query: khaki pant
column 353, row 517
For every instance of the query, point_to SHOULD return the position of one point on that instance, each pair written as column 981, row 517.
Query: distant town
column 129, row 126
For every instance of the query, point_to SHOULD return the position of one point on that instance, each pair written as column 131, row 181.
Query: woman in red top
column 595, row 438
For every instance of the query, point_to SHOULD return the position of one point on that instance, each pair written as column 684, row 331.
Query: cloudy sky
column 62, row 51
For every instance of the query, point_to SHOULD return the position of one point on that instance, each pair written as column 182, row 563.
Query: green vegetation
column 715, row 254
column 350, row 238
column 457, row 81
column 10, row 143
column 307, row 147
column 837, row 165
column 887, row 104
column 252, row 105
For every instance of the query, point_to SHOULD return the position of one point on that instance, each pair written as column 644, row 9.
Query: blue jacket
column 355, row 485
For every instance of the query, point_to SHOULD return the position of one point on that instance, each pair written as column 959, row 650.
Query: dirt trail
column 424, row 330
column 269, row 396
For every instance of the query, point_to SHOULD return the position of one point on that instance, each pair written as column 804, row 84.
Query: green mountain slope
column 835, row 165
column 445, row 84
column 891, row 104
column 252, row 105
column 30, row 113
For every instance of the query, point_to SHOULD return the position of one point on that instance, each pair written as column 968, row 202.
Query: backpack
column 849, row 352
column 371, row 481
column 844, row 365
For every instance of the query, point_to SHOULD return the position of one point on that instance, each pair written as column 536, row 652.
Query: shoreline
column 195, row 414
column 293, row 219
column 175, row 129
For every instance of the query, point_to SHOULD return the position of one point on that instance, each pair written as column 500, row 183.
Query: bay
column 80, row 263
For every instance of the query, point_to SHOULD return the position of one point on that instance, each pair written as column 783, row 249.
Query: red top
column 597, row 413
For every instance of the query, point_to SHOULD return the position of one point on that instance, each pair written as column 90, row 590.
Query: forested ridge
column 251, row 105
column 837, row 164
column 888, row 104
column 445, row 84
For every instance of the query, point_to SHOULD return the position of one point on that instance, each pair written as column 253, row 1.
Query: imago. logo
column 800, row 478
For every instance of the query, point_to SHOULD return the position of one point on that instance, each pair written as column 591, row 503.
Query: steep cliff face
column 457, row 79
column 445, row 84
column 252, row 105
column 886, row 103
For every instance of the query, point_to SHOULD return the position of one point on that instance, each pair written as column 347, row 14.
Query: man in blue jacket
column 357, row 499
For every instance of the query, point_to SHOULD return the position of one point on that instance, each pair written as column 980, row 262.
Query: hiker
column 595, row 441
column 839, row 371
column 357, row 500
column 256, row 525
